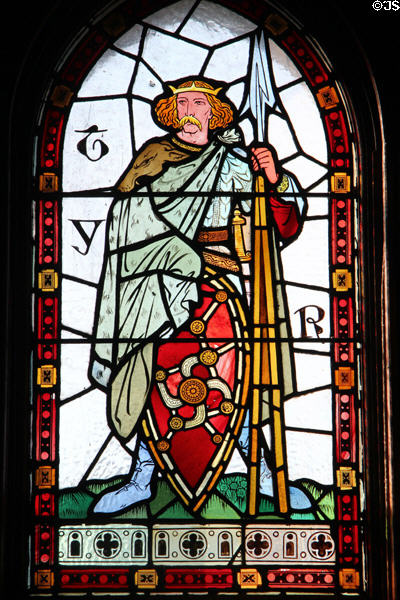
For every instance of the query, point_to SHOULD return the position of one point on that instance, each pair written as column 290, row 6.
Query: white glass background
column 116, row 97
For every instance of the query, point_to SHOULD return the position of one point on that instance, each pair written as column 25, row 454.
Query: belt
column 213, row 235
column 222, row 262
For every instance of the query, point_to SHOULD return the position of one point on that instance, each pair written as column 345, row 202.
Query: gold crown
column 194, row 88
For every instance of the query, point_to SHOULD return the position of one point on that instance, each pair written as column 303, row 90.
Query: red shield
column 198, row 399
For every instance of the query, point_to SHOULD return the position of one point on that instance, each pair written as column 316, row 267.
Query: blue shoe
column 136, row 490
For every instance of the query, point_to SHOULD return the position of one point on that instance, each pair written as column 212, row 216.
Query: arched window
column 201, row 365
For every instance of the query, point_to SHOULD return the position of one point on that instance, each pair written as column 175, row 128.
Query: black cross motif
column 349, row 578
column 49, row 183
column 322, row 545
column 341, row 280
column 194, row 545
column 344, row 377
column 258, row 545
column 346, row 478
column 274, row 23
column 46, row 376
column 248, row 578
column 107, row 545
column 62, row 94
column 44, row 577
column 45, row 476
column 327, row 97
column 340, row 184
column 147, row 578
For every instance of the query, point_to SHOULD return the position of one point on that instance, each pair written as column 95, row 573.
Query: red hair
column 167, row 114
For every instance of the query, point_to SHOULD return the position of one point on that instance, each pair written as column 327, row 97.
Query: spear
column 267, row 355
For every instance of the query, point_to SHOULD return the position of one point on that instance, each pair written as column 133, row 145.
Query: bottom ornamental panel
column 187, row 544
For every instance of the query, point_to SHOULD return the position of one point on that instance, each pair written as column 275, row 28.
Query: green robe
column 151, row 272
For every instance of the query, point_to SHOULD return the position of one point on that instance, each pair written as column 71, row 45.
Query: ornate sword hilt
column 238, row 221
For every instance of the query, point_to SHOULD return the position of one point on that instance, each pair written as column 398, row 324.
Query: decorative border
column 46, row 575
column 259, row 544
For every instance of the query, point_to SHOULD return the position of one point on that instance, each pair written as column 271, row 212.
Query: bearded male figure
column 167, row 204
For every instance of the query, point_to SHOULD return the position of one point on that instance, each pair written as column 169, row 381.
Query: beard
column 189, row 119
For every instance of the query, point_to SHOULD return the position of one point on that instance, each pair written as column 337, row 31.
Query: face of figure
column 194, row 112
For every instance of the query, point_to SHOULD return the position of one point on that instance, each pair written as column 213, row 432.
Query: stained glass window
column 196, row 407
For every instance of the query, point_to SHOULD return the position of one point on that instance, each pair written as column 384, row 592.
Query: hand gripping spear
column 267, row 355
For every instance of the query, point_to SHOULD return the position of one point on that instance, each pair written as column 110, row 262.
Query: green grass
column 228, row 502
column 163, row 497
column 74, row 504
column 217, row 508
column 175, row 511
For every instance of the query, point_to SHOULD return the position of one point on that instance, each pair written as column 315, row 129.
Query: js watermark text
column 386, row 5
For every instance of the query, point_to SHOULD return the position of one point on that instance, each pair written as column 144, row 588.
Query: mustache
column 189, row 119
